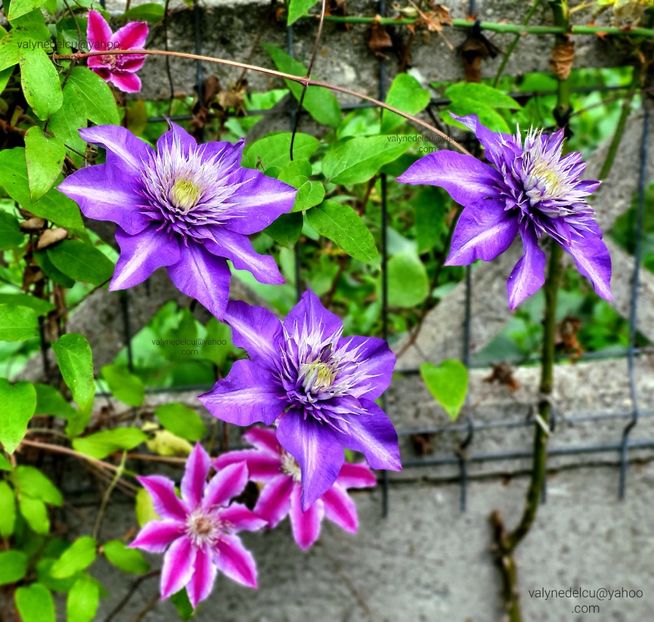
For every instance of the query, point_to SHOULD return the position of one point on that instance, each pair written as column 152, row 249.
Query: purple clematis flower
column 120, row 70
column 199, row 531
column 528, row 189
column 274, row 467
column 183, row 206
column 316, row 385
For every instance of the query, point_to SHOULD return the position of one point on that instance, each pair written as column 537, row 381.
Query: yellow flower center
column 317, row 376
column 185, row 194
column 291, row 467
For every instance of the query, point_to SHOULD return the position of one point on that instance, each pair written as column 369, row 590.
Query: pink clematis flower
column 198, row 531
column 271, row 465
column 120, row 70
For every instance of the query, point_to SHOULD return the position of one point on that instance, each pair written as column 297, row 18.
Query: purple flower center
column 187, row 189
column 204, row 529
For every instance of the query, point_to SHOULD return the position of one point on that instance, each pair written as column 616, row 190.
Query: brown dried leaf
column 435, row 19
column 503, row 374
column 32, row 224
column 50, row 237
column 379, row 40
column 563, row 55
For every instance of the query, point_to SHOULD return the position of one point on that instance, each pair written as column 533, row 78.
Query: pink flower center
column 109, row 60
column 203, row 529
column 290, row 467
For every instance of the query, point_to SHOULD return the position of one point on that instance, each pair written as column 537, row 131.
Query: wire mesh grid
column 466, row 428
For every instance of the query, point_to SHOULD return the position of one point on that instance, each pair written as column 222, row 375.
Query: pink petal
column 98, row 32
column 131, row 36
column 130, row 63
column 261, row 467
column 166, row 502
column 305, row 525
column 264, row 439
column 98, row 62
column 125, row 81
column 204, row 576
column 274, row 501
column 177, row 568
column 157, row 535
column 356, row 476
column 235, row 561
column 225, row 485
column 240, row 518
column 195, row 476
column 341, row 509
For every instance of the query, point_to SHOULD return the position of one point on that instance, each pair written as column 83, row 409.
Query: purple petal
column 202, row 276
column 177, row 134
column 247, row 395
column 204, row 576
column 466, row 179
column 264, row 439
column 259, row 202
column 356, row 475
column 261, row 467
column 341, row 509
column 228, row 155
column 119, row 141
column 305, row 525
column 376, row 363
column 318, row 451
column 495, row 143
column 240, row 518
column 141, row 255
column 235, row 561
column 104, row 192
column 195, row 476
column 482, row 232
column 528, row 275
column 274, row 500
column 226, row 484
column 125, row 81
column 374, row 436
column 177, row 568
column 98, row 32
column 157, row 535
column 254, row 329
column 593, row 260
column 131, row 36
column 238, row 249
column 166, row 502
column 311, row 312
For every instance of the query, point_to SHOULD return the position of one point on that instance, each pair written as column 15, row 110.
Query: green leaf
column 18, row 405
column 182, row 604
column 182, row 421
column 125, row 386
column 13, row 566
column 286, row 229
column 5, row 465
column 35, row 603
column 143, row 508
column 25, row 300
column 406, row 95
column 101, row 444
column 41, row 259
column 52, row 206
column 273, row 150
column 483, row 94
column 341, row 224
column 18, row 8
column 319, row 102
column 44, row 158
column 98, row 99
column 78, row 556
column 124, row 558
column 50, row 402
column 75, row 361
column 43, row 575
column 83, row 600
column 30, row 481
column 40, row 82
column 17, row 323
column 81, row 261
column 218, row 344
column 408, row 283
column 8, row 513
column 297, row 9
column 72, row 115
column 149, row 12
column 358, row 159
column 447, row 383
column 9, row 52
column 35, row 512
column 10, row 234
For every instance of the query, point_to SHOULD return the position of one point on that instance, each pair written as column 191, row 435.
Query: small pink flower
column 198, row 531
column 269, row 464
column 120, row 70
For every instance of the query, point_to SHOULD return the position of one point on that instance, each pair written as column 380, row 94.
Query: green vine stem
column 506, row 542
column 518, row 29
